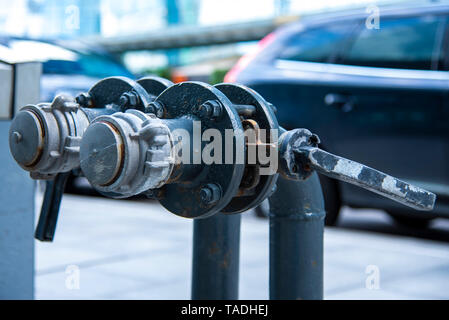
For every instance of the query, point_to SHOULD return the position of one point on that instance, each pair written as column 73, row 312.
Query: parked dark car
column 377, row 96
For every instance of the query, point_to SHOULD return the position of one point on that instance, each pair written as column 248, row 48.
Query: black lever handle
column 48, row 218
column 300, row 156
column 368, row 178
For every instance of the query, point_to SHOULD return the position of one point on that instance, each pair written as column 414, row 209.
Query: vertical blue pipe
column 296, row 240
column 215, row 264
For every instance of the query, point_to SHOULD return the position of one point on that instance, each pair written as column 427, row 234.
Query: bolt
column 123, row 101
column 83, row 99
column 313, row 140
column 17, row 136
column 128, row 99
column 210, row 193
column 205, row 110
column 155, row 107
column 209, row 109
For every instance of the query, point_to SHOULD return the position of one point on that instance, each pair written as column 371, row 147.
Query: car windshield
column 59, row 60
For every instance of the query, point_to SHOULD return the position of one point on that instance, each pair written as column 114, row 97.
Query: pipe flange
column 190, row 198
column 154, row 86
column 118, row 91
column 253, row 190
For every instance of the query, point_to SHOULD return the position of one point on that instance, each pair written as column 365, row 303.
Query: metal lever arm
column 300, row 156
column 48, row 218
column 366, row 177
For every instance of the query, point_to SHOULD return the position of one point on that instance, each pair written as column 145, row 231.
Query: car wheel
column 411, row 221
column 332, row 202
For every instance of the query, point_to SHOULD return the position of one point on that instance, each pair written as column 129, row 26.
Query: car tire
column 410, row 221
column 332, row 202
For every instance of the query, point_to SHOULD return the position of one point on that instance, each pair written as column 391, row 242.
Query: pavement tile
column 137, row 250
column 92, row 285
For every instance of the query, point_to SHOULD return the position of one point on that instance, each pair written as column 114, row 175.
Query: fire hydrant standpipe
column 138, row 137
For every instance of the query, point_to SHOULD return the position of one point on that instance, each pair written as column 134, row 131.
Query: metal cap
column 101, row 153
column 26, row 138
column 126, row 153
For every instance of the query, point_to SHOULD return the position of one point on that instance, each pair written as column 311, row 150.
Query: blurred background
column 369, row 77
column 179, row 39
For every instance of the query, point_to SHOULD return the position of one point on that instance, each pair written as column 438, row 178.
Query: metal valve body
column 127, row 153
column 45, row 139
column 150, row 137
column 163, row 140
column 132, row 152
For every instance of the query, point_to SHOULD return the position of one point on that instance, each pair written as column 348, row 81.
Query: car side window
column 317, row 44
column 443, row 56
column 404, row 43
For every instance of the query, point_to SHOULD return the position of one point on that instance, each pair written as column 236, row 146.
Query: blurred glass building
column 50, row 18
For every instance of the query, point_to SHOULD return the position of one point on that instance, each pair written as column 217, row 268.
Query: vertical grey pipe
column 215, row 264
column 296, row 240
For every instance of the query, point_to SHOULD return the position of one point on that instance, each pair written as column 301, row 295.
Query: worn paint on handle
column 367, row 178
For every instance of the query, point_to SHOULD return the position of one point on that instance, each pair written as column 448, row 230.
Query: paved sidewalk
column 137, row 250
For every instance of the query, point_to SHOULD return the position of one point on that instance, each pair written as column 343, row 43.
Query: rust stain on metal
column 225, row 263
column 40, row 147
column 214, row 249
column 121, row 153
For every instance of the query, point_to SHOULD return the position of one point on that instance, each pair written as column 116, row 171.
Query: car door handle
column 341, row 101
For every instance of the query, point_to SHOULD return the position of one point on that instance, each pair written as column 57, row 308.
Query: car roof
column 390, row 10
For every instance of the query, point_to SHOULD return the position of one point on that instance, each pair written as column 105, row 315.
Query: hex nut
column 155, row 107
column 128, row 100
column 83, row 99
column 209, row 109
column 210, row 193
